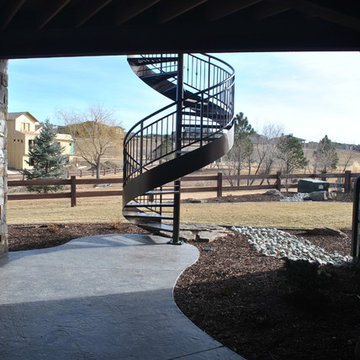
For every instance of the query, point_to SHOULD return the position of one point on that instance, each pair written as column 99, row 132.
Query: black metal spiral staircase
column 188, row 134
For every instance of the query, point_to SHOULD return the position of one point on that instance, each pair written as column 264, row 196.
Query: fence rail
column 279, row 181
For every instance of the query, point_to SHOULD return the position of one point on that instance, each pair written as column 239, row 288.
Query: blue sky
column 307, row 94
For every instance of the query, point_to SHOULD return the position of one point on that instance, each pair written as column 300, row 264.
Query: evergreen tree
column 291, row 154
column 325, row 155
column 46, row 160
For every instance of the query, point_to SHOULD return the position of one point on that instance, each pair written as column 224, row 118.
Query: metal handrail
column 129, row 133
column 220, row 101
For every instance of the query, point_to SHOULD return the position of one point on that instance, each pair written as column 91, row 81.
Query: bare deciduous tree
column 266, row 148
column 94, row 133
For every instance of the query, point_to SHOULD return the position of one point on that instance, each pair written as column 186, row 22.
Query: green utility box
column 310, row 185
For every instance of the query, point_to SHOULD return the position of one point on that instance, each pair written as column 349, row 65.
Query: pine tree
column 325, row 155
column 291, row 154
column 46, row 160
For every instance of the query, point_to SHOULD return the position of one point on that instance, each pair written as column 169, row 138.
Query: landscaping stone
column 298, row 197
column 280, row 244
column 274, row 192
column 209, row 236
column 319, row 196
column 187, row 235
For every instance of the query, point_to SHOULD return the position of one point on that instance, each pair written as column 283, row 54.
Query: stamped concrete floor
column 101, row 297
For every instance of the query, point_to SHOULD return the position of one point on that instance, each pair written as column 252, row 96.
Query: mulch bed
column 337, row 196
column 261, row 307
column 26, row 237
column 266, row 308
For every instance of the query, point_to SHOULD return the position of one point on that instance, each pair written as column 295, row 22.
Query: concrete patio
column 100, row 297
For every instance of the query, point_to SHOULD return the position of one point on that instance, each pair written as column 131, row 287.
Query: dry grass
column 272, row 214
column 88, row 210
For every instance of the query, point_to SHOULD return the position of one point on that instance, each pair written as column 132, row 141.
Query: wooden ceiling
column 38, row 28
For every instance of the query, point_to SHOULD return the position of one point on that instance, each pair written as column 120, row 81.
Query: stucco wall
column 3, row 153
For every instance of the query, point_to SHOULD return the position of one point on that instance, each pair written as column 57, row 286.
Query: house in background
column 22, row 130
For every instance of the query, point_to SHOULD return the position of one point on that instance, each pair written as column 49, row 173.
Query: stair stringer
column 178, row 167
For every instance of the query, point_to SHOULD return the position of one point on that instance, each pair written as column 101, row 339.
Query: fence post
column 73, row 190
column 278, row 181
column 347, row 181
column 219, row 184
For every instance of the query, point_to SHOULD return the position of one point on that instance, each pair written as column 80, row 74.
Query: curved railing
column 191, row 132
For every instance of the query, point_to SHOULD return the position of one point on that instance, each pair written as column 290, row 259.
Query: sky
column 309, row 95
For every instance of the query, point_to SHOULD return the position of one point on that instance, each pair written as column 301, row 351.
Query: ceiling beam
column 52, row 8
column 156, row 39
column 314, row 10
column 218, row 9
column 90, row 11
column 168, row 11
column 130, row 9
column 270, row 9
column 9, row 11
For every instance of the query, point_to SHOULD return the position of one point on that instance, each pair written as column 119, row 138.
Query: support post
column 356, row 223
column 178, row 131
column 73, row 190
column 347, row 181
column 219, row 184
column 278, row 181
column 3, row 154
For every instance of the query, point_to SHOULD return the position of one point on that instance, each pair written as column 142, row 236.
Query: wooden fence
column 78, row 173
column 254, row 182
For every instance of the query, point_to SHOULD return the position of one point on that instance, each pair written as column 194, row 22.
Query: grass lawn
column 267, row 214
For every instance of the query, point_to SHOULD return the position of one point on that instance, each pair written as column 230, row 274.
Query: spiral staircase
column 195, row 129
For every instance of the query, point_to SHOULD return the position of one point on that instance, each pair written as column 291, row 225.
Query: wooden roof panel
column 33, row 28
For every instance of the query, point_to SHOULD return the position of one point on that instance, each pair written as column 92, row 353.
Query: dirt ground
column 26, row 237
column 261, row 307
column 265, row 308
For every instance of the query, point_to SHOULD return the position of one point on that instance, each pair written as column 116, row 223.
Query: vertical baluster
column 141, row 146
column 151, row 144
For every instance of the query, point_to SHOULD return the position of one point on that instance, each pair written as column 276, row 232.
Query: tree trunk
column 98, row 166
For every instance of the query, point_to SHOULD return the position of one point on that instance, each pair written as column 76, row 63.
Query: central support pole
column 356, row 223
column 178, row 131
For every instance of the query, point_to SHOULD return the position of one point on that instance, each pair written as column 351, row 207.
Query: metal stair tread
column 157, row 226
column 204, row 126
column 146, row 215
column 161, row 192
column 159, row 76
column 150, row 61
column 149, row 204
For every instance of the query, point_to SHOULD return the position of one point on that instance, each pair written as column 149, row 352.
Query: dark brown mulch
column 26, row 237
column 264, row 308
column 254, row 304
column 337, row 196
